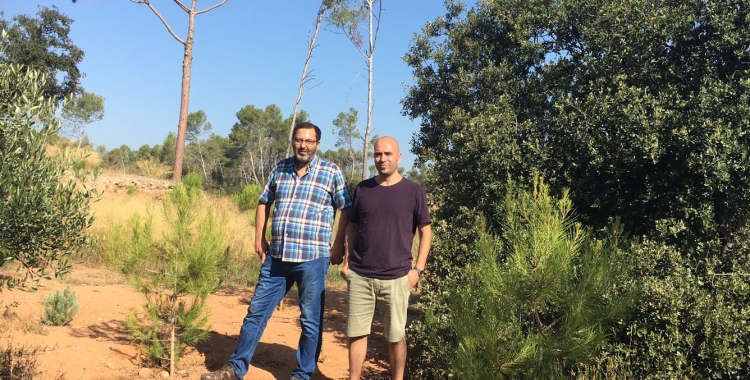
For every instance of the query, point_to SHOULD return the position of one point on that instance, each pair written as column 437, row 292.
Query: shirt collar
column 314, row 163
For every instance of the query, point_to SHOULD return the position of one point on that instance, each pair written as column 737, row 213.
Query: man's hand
column 261, row 247
column 337, row 254
column 344, row 270
column 413, row 278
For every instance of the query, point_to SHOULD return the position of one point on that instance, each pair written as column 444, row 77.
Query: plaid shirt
column 302, row 221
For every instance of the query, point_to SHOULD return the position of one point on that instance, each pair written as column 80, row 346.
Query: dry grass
column 90, row 157
column 152, row 168
column 116, row 207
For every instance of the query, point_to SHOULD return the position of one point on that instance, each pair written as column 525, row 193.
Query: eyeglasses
column 302, row 141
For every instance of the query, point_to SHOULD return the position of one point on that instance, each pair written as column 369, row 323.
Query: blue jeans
column 275, row 280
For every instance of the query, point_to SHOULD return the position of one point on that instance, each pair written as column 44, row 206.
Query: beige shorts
column 389, row 297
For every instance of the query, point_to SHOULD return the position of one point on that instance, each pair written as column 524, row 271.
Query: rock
column 145, row 372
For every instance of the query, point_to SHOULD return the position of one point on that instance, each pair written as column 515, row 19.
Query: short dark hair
column 307, row 125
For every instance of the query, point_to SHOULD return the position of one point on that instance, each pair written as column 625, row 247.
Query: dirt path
column 95, row 346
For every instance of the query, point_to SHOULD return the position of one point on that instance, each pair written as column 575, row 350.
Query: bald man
column 387, row 211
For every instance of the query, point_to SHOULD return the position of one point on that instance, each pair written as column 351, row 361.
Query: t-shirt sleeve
column 342, row 198
column 353, row 213
column 422, row 215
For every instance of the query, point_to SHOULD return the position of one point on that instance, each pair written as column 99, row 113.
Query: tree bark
column 187, row 63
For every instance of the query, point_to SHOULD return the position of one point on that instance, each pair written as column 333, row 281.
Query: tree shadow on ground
column 277, row 359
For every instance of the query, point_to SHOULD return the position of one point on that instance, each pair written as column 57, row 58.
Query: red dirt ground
column 95, row 345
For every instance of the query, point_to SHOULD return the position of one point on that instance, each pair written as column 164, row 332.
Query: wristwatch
column 419, row 271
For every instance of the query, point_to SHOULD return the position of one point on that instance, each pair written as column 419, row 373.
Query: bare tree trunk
column 372, row 39
column 172, row 339
column 187, row 63
column 260, row 159
column 203, row 163
column 80, row 138
column 304, row 78
column 252, row 166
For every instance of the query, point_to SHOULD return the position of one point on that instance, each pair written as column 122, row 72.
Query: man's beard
column 304, row 160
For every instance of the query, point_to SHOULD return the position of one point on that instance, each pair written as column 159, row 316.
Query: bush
column 60, row 308
column 19, row 363
column 691, row 318
column 193, row 180
column 428, row 347
column 539, row 300
column 130, row 245
column 45, row 207
column 248, row 198
column 175, row 276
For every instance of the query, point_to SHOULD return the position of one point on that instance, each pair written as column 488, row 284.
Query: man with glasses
column 307, row 191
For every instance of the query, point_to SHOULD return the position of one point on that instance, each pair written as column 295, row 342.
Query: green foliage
column 248, row 198
column 640, row 109
column 429, row 348
column 536, row 303
column 198, row 156
column 348, row 17
column 193, row 180
column 349, row 141
column 121, row 158
column 45, row 202
column 691, row 319
column 175, row 275
column 131, row 246
column 81, row 111
column 197, row 126
column 257, row 141
column 43, row 43
column 152, row 328
column 60, row 308
column 165, row 153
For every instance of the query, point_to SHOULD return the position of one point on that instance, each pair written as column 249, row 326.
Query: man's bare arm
column 339, row 239
column 425, row 241
column 261, row 223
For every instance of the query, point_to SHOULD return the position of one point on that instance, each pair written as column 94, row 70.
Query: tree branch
column 163, row 21
column 181, row 5
column 377, row 26
column 538, row 321
column 212, row 7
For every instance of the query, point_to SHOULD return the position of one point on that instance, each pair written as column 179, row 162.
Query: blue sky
column 246, row 53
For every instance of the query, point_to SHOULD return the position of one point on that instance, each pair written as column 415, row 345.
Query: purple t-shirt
column 387, row 218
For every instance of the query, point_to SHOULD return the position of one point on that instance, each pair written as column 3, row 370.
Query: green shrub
column 130, row 245
column 44, row 202
column 193, row 180
column 60, row 308
column 152, row 327
column 692, row 316
column 248, row 198
column 540, row 298
column 450, row 254
column 175, row 275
